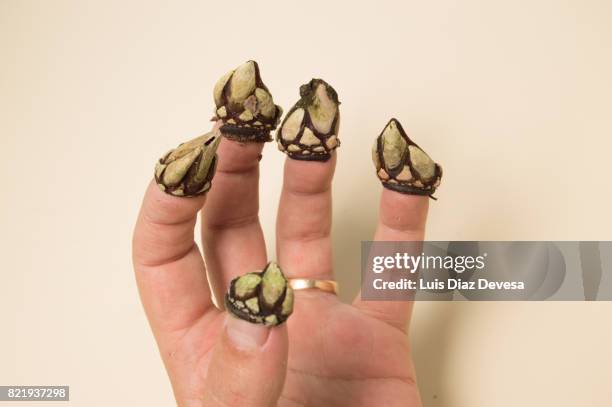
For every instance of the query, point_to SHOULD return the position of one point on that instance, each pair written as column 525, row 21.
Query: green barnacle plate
column 261, row 297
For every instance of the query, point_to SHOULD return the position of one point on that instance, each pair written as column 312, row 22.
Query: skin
column 328, row 353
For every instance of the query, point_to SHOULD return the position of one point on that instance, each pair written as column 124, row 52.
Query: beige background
column 513, row 98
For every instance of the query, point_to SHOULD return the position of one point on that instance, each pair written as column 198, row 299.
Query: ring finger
column 303, row 229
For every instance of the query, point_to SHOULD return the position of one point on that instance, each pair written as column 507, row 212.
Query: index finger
column 169, row 267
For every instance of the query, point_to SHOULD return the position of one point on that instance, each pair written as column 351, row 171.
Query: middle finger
column 232, row 238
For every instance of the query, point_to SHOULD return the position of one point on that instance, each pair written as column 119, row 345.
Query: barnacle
column 261, row 297
column 402, row 165
column 188, row 169
column 244, row 105
column 310, row 129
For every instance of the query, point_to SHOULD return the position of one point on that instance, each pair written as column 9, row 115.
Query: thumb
column 248, row 365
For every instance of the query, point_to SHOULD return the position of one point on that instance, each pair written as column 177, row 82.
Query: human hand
column 328, row 353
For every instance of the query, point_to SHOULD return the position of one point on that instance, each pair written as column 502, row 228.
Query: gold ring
column 329, row 286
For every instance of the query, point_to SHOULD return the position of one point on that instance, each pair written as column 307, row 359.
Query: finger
column 303, row 228
column 248, row 365
column 232, row 237
column 401, row 218
column 169, row 269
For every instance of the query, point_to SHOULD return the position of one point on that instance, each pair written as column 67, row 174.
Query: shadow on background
column 431, row 338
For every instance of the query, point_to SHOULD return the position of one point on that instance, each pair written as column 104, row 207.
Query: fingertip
column 403, row 212
column 246, row 336
column 309, row 176
column 239, row 157
column 163, row 208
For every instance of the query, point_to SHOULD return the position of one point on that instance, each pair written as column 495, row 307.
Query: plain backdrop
column 512, row 98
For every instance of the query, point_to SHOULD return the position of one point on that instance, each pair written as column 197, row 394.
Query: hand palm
column 338, row 356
